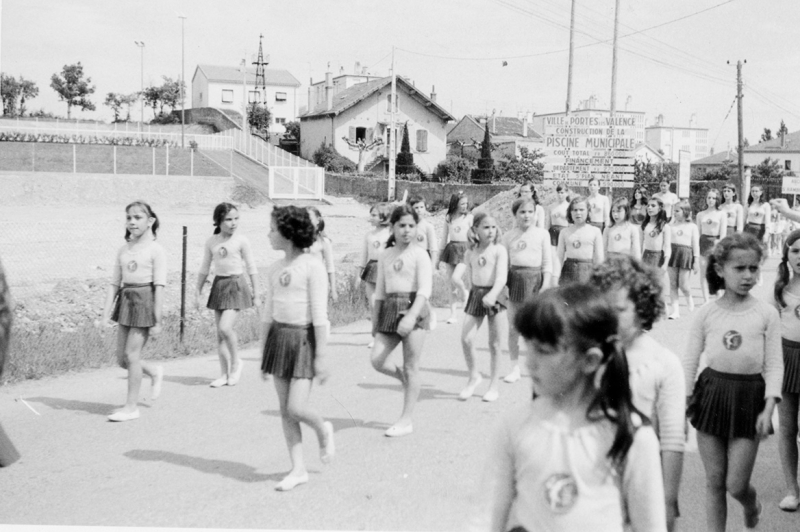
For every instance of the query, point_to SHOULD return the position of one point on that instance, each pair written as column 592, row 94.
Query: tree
column 766, row 135
column 114, row 101
column 27, row 91
column 72, row 88
column 258, row 117
column 293, row 130
column 485, row 171
column 128, row 101
column 526, row 167
column 152, row 97
column 768, row 169
column 363, row 148
column 405, row 159
column 15, row 93
column 170, row 93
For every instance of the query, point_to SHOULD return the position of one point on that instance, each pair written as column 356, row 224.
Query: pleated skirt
column 289, row 351
column 475, row 306
column 230, row 293
column 653, row 258
column 523, row 282
column 554, row 231
column 454, row 253
column 393, row 309
column 757, row 230
column 726, row 405
column 707, row 243
column 370, row 272
column 8, row 453
column 791, row 366
column 681, row 257
column 575, row 271
column 134, row 305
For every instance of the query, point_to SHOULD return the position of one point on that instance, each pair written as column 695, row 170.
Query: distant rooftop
column 234, row 75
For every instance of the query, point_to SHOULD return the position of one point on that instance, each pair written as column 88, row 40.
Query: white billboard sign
column 790, row 185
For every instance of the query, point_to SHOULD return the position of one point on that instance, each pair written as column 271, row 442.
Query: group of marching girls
column 584, row 453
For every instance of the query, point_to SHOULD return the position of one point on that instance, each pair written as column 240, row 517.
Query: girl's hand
column 155, row 330
column 105, row 323
column 257, row 300
column 780, row 204
column 334, row 295
column 695, row 268
column 489, row 301
column 406, row 325
column 438, row 263
column 321, row 371
column 763, row 424
column 265, row 376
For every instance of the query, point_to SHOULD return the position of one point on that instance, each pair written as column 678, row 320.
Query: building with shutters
column 360, row 110
column 508, row 135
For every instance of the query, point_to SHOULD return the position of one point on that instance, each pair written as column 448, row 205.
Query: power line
column 723, row 122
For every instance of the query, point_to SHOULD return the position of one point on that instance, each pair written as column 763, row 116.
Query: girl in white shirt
column 487, row 266
column 668, row 198
column 685, row 242
column 656, row 236
column 134, row 300
column 639, row 205
column 787, row 300
column 401, row 313
column 712, row 225
column 599, row 206
column 731, row 403
column 580, row 456
column 295, row 338
column 458, row 220
column 758, row 214
column 621, row 236
column 228, row 251
column 527, row 190
column 557, row 221
column 322, row 249
column 580, row 245
column 732, row 208
column 374, row 244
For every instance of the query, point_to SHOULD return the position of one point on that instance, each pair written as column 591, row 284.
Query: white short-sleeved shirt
column 229, row 255
column 140, row 264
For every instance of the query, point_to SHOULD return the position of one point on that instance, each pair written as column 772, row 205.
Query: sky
column 672, row 56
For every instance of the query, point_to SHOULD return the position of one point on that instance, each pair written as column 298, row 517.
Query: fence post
column 33, row 158
column 183, row 284
column 115, row 157
column 154, row 160
column 74, row 162
column 167, row 165
column 191, row 161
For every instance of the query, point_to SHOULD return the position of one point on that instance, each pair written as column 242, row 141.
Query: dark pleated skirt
column 393, row 309
column 791, row 366
column 230, row 293
column 653, row 258
column 289, row 352
column 554, row 231
column 731, row 230
column 599, row 225
column 681, row 257
column 475, row 307
column 575, row 271
column 8, row 453
column 454, row 253
column 135, row 305
column 523, row 282
column 757, row 230
column 370, row 272
column 707, row 243
column 726, row 405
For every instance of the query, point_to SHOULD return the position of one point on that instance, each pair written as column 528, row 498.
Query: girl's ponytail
column 715, row 282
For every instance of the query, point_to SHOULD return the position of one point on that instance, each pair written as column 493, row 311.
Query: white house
column 672, row 140
column 221, row 87
column 363, row 110
column 785, row 149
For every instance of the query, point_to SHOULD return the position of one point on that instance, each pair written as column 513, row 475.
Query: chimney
column 357, row 69
column 525, row 126
column 433, row 93
column 310, row 100
column 328, row 91
column 341, row 70
column 364, row 71
column 783, row 140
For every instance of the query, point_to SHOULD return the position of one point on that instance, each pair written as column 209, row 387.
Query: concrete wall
column 53, row 188
column 436, row 194
column 313, row 133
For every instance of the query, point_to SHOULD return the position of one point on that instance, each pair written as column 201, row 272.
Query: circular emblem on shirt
column 398, row 265
column 618, row 237
column 376, row 244
column 797, row 311
column 132, row 266
column 223, row 252
column 457, row 229
column 420, row 238
column 653, row 233
column 709, row 221
column 680, row 232
column 285, row 278
column 521, row 244
column 732, row 340
column 482, row 261
column 561, row 492
column 576, row 244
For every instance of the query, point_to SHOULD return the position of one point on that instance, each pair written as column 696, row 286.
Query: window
column 280, row 120
column 201, row 98
column 254, row 96
column 422, row 140
column 227, row 95
column 280, row 96
column 787, row 164
column 359, row 133
column 686, row 133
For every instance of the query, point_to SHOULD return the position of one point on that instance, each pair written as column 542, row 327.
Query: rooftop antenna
column 261, row 84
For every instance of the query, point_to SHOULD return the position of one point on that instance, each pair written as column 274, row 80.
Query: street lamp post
column 183, row 77
column 140, row 44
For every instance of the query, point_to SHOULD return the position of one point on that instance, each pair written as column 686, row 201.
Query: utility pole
column 740, row 184
column 613, row 93
column 183, row 79
column 392, row 133
column 140, row 44
column 244, row 96
column 571, row 55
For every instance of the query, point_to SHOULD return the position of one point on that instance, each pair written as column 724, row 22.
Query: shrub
column 454, row 169
column 327, row 157
column 405, row 159
column 166, row 118
column 526, row 167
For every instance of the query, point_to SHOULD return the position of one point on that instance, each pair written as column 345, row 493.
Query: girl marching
column 685, row 240
column 527, row 190
column 599, row 206
column 134, row 300
column 621, row 236
column 458, row 220
column 374, row 244
column 732, row 208
column 712, row 225
column 657, row 245
column 787, row 300
column 530, row 259
column 639, row 205
column 580, row 456
column 401, row 314
column 322, row 249
column 295, row 338
column 487, row 265
column 758, row 214
column 731, row 403
column 580, row 245
column 228, row 250
column 556, row 222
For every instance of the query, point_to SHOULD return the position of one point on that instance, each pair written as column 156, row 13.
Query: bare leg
column 714, row 454
column 137, row 338
column 787, row 446
column 684, row 286
column 384, row 345
column 741, row 459
column 513, row 343
column 412, row 349
column 497, row 328
column 458, row 291
column 703, row 282
column 471, row 326
column 673, row 289
column 370, row 288
column 556, row 267
column 228, row 344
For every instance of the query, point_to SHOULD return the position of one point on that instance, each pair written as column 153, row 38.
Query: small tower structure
column 261, row 63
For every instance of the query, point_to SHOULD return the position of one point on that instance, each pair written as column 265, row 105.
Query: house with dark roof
column 224, row 88
column 785, row 149
column 715, row 161
column 362, row 111
column 508, row 135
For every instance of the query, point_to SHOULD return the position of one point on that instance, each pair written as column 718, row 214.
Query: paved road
column 202, row 457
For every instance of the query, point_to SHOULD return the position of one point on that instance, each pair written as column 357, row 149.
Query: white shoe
column 371, row 344
column 512, row 377
column 124, row 416
column 222, row 381
column 237, row 374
